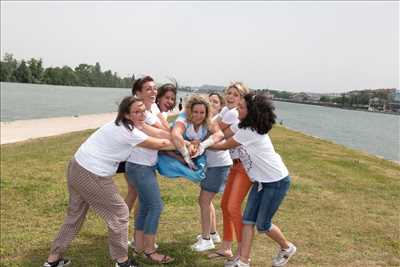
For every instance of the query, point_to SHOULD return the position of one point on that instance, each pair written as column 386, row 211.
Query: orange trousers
column 236, row 189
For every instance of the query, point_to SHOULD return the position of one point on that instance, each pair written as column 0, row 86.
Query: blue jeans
column 215, row 179
column 262, row 205
column 150, row 204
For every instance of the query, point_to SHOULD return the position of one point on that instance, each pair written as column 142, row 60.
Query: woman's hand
column 193, row 147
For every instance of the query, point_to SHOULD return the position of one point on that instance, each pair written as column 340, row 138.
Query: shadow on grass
column 184, row 256
column 90, row 249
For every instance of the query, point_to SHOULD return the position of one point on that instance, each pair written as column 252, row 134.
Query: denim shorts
column 215, row 179
column 262, row 205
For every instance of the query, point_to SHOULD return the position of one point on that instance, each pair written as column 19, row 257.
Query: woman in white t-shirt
column 238, row 183
column 218, row 164
column 145, row 88
column 267, row 172
column 90, row 182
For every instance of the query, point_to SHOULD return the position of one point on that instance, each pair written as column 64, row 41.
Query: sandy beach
column 16, row 131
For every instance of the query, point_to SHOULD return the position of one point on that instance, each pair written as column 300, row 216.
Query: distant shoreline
column 334, row 106
column 22, row 130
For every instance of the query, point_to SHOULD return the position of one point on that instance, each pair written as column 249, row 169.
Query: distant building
column 377, row 104
column 396, row 95
column 394, row 103
column 300, row 97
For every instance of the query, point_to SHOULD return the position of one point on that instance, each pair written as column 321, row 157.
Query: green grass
column 342, row 208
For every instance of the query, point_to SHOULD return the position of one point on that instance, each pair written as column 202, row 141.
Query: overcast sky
column 295, row 46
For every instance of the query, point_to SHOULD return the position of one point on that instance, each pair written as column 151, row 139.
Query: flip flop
column 165, row 259
column 217, row 255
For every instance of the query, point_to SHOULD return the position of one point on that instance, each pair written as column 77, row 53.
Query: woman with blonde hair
column 238, row 183
column 194, row 126
column 218, row 164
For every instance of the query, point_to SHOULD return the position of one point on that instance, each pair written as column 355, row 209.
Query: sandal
column 137, row 253
column 165, row 260
column 217, row 255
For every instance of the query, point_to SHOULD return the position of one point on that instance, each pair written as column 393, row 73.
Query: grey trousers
column 87, row 190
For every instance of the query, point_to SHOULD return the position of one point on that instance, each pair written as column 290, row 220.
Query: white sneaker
column 203, row 245
column 284, row 255
column 215, row 238
column 231, row 262
column 236, row 263
column 131, row 244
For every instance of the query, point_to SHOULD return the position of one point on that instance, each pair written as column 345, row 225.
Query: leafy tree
column 82, row 75
column 36, row 69
column 8, row 68
column 325, row 99
column 23, row 73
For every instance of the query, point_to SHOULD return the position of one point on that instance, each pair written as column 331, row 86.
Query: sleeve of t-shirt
column 234, row 127
column 154, row 109
column 231, row 116
column 136, row 137
column 182, row 118
column 245, row 136
column 150, row 118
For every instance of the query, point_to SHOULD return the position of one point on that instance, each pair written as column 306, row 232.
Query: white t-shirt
column 259, row 158
column 230, row 117
column 150, row 118
column 218, row 158
column 107, row 147
column 154, row 109
column 142, row 155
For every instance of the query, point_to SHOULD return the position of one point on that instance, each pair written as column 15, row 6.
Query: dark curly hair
column 260, row 113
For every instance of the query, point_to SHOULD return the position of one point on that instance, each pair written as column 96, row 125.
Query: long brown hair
column 125, row 109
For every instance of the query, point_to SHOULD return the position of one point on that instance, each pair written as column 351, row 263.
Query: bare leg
column 131, row 196
column 247, row 239
column 213, row 228
column 139, row 240
column 205, row 199
column 276, row 235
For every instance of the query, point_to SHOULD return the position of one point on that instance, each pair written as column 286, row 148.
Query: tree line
column 32, row 71
column 352, row 98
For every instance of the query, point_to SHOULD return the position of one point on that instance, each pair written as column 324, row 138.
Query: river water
column 374, row 133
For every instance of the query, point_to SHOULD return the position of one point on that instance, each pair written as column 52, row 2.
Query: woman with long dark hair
column 268, row 174
column 90, row 183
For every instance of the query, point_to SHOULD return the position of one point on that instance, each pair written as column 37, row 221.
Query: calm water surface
column 374, row 133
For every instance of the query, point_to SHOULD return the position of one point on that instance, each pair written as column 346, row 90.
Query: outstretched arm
column 179, row 142
column 225, row 144
column 164, row 123
column 157, row 143
column 216, row 136
column 155, row 132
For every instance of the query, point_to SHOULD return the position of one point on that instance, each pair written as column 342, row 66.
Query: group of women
column 220, row 142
